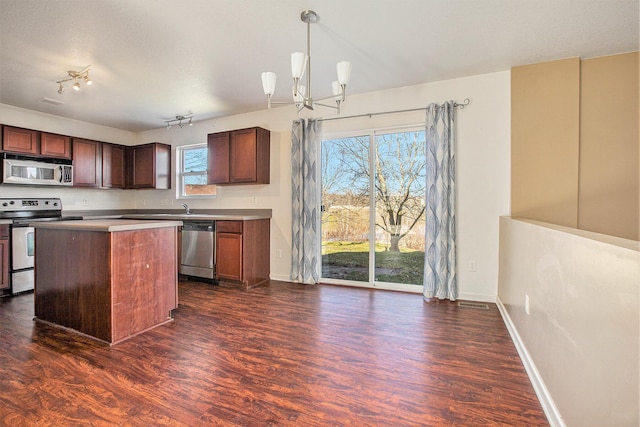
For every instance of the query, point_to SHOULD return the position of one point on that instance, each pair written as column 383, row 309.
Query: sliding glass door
column 372, row 227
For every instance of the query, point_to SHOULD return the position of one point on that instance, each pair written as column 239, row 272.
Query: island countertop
column 106, row 225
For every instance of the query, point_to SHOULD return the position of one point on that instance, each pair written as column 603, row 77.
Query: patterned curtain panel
column 304, row 201
column 440, row 255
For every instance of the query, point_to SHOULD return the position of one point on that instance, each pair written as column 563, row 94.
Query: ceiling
column 154, row 59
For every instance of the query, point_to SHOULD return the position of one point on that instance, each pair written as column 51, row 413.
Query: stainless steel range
column 23, row 212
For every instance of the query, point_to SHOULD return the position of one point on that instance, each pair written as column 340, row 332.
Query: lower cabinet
column 4, row 256
column 229, row 250
column 242, row 251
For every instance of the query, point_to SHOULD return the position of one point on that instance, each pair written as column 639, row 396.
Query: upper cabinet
column 87, row 163
column 113, row 170
column 19, row 140
column 99, row 164
column 32, row 142
column 149, row 166
column 239, row 157
column 52, row 145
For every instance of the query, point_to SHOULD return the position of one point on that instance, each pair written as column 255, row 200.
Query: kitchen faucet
column 186, row 206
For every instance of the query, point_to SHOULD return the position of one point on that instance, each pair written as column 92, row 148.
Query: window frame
column 180, row 174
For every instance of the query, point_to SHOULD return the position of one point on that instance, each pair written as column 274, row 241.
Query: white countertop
column 106, row 225
column 5, row 221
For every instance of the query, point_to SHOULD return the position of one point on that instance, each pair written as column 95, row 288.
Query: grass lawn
column 349, row 261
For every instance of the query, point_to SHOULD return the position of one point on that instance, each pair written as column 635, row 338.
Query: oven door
column 22, row 259
column 22, row 248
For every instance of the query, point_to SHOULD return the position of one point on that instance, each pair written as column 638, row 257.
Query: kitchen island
column 109, row 279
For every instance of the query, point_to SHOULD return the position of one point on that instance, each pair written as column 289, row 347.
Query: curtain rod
column 461, row 105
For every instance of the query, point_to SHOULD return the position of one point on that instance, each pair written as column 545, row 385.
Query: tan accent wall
column 545, row 105
column 609, row 187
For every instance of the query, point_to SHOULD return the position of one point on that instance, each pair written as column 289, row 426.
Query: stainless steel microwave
column 33, row 172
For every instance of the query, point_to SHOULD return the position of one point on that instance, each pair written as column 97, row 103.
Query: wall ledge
column 633, row 245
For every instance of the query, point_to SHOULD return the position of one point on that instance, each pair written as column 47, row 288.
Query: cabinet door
column 242, row 156
column 143, row 167
column 218, row 158
column 52, row 145
column 87, row 163
column 229, row 256
column 20, row 140
column 149, row 166
column 112, row 166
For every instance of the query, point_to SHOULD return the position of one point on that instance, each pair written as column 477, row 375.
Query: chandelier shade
column 301, row 64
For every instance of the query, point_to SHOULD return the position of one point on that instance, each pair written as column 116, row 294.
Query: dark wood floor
column 278, row 355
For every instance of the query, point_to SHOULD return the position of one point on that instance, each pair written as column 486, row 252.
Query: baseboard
column 280, row 278
column 477, row 297
column 546, row 401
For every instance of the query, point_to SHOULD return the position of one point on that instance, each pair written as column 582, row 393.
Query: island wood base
column 107, row 285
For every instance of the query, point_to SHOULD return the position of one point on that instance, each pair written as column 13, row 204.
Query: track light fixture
column 179, row 119
column 75, row 76
column 301, row 63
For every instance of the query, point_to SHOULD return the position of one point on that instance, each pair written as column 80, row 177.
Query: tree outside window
column 193, row 173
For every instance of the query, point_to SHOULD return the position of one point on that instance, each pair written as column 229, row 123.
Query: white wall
column 580, row 341
column 482, row 169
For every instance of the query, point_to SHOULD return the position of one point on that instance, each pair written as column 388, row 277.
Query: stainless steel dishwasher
column 198, row 249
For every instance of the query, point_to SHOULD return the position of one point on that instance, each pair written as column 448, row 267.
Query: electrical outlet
column 473, row 265
column 526, row 304
column 279, row 253
column 85, row 202
column 254, row 200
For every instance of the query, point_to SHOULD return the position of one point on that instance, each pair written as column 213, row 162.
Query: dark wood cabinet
column 242, row 251
column 52, row 145
column 149, row 166
column 87, row 163
column 98, row 164
column 113, row 166
column 229, row 250
column 18, row 140
column 36, row 143
column 110, row 285
column 4, row 256
column 218, row 157
column 239, row 157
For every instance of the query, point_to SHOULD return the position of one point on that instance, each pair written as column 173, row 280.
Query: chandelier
column 77, row 77
column 301, row 63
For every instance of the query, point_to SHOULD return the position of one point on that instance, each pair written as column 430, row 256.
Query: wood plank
column 283, row 354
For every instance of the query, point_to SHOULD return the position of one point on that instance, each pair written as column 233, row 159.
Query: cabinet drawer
column 229, row 227
column 4, row 232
